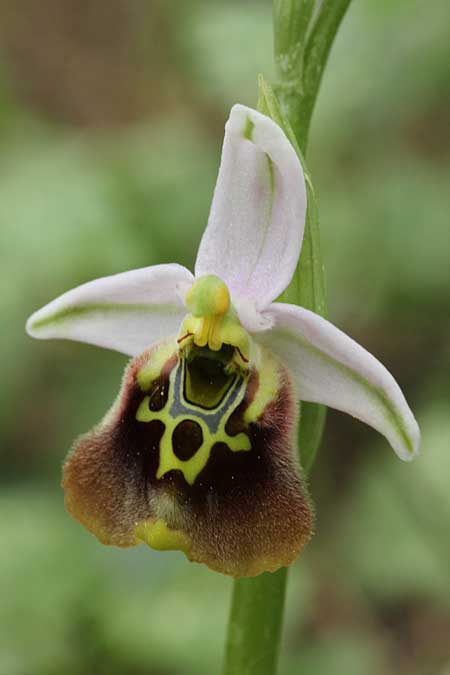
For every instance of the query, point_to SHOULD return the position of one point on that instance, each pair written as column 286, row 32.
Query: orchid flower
column 198, row 452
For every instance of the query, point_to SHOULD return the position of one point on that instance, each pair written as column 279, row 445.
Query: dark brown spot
column 187, row 439
column 158, row 395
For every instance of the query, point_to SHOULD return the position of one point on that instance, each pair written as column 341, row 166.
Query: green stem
column 301, row 53
column 254, row 628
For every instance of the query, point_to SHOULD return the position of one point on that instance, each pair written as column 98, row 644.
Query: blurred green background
column 111, row 123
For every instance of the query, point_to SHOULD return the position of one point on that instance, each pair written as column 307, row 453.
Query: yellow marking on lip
column 268, row 386
column 190, row 468
column 152, row 370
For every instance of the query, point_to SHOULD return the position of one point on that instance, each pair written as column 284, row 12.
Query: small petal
column 251, row 318
column 331, row 368
column 125, row 312
column 255, row 227
column 179, row 463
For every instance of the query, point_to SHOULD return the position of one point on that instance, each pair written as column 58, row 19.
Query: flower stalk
column 301, row 52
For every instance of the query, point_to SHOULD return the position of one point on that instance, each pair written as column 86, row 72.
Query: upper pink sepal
column 255, row 228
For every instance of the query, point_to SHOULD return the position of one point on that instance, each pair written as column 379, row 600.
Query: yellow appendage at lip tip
column 158, row 536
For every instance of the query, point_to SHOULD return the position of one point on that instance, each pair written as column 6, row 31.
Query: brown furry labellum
column 197, row 456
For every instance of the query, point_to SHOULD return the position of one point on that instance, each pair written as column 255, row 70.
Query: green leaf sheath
column 291, row 22
column 291, row 19
column 301, row 45
column 298, row 89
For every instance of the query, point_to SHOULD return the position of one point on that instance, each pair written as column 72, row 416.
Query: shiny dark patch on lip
column 187, row 438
